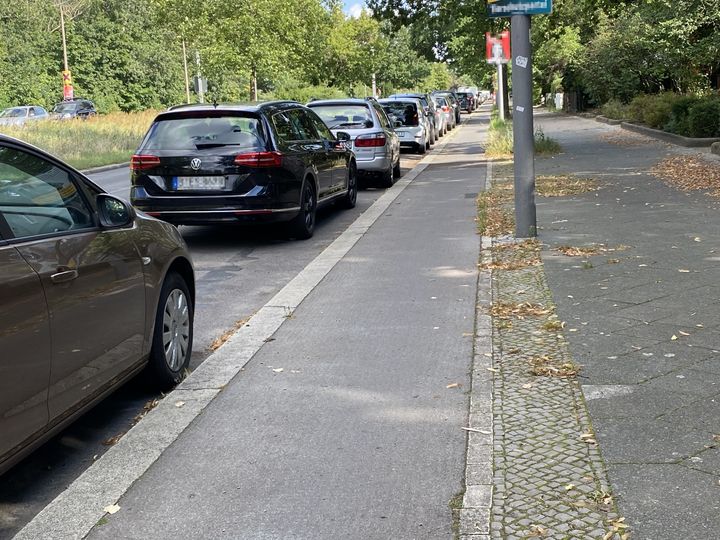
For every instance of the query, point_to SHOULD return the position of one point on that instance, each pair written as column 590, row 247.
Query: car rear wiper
column 348, row 124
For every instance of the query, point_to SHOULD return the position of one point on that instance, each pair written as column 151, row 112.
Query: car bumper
column 188, row 210
column 374, row 165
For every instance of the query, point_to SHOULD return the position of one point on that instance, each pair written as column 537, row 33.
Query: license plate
column 402, row 133
column 198, row 183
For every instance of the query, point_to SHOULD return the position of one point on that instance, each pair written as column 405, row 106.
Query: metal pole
column 201, row 94
column 500, row 94
column 64, row 44
column 506, row 90
column 187, row 78
column 523, row 133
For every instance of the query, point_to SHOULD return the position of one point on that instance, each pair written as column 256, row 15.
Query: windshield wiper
column 200, row 146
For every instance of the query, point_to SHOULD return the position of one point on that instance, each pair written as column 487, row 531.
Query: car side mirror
column 397, row 123
column 342, row 136
column 114, row 212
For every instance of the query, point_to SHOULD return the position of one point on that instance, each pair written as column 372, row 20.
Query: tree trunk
column 253, row 84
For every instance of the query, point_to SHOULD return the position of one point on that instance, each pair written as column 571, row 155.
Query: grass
column 500, row 140
column 102, row 140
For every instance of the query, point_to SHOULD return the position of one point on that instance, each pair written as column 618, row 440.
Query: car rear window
column 194, row 133
column 403, row 111
column 344, row 115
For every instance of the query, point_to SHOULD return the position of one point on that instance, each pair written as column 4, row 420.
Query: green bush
column 615, row 109
column 679, row 110
column 653, row 110
column 703, row 118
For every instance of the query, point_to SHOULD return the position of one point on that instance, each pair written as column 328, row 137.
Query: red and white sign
column 497, row 49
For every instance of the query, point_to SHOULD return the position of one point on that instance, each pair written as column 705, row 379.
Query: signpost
column 523, row 132
column 497, row 51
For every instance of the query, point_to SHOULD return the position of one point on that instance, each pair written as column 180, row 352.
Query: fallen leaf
column 279, row 370
column 697, row 239
column 527, row 386
column 492, row 369
column 179, row 404
column 569, row 487
column 453, row 385
column 683, row 270
column 674, row 337
column 112, row 509
column 683, row 333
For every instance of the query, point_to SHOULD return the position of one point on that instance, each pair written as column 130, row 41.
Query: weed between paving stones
column 547, row 476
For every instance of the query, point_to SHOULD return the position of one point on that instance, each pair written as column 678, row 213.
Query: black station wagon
column 260, row 162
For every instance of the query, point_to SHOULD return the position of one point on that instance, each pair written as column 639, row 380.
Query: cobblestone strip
column 549, row 480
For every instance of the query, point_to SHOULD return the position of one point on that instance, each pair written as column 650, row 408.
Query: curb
column 104, row 168
column 715, row 148
column 474, row 516
column 75, row 511
column 606, row 120
column 690, row 142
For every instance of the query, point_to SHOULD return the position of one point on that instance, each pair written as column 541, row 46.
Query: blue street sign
column 507, row 8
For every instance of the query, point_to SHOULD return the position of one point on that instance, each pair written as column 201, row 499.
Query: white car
column 411, row 124
column 18, row 116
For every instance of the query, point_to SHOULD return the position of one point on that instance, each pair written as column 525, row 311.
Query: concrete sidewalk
column 642, row 322
column 342, row 425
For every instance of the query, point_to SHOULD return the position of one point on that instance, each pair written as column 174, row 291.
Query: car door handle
column 64, row 276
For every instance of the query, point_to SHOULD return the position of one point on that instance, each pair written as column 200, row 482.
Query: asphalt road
column 237, row 271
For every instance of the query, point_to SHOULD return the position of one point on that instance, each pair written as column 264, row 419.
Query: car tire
column 173, row 333
column 421, row 148
column 397, row 172
column 350, row 198
column 302, row 226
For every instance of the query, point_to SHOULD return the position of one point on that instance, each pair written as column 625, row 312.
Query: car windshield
column 17, row 112
column 65, row 107
column 196, row 133
column 404, row 112
column 344, row 115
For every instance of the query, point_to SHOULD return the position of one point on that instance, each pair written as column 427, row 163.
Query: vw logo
column 195, row 164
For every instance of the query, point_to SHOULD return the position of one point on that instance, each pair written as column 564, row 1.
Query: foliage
column 615, row 109
column 703, row 119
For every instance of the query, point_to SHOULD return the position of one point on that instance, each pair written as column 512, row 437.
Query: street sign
column 68, row 92
column 497, row 49
column 507, row 8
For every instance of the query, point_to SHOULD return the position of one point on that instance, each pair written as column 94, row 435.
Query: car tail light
column 259, row 159
column 374, row 140
column 141, row 162
column 445, row 108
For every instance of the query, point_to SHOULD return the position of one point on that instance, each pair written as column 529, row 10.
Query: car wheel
column 421, row 148
column 397, row 173
column 350, row 198
column 173, row 333
column 303, row 225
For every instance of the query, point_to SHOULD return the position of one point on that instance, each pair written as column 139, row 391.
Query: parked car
column 412, row 126
column 259, row 163
column 467, row 101
column 90, row 294
column 448, row 115
column 432, row 114
column 372, row 136
column 74, row 108
column 18, row 116
column 453, row 101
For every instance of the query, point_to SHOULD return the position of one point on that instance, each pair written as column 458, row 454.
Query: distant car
column 255, row 163
column 412, row 127
column 373, row 137
column 90, row 294
column 467, row 101
column 75, row 108
column 431, row 113
column 18, row 116
column 447, row 111
column 452, row 99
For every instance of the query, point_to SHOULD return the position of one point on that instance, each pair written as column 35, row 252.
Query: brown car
column 90, row 293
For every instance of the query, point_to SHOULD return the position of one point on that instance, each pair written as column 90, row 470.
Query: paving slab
column 656, row 429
